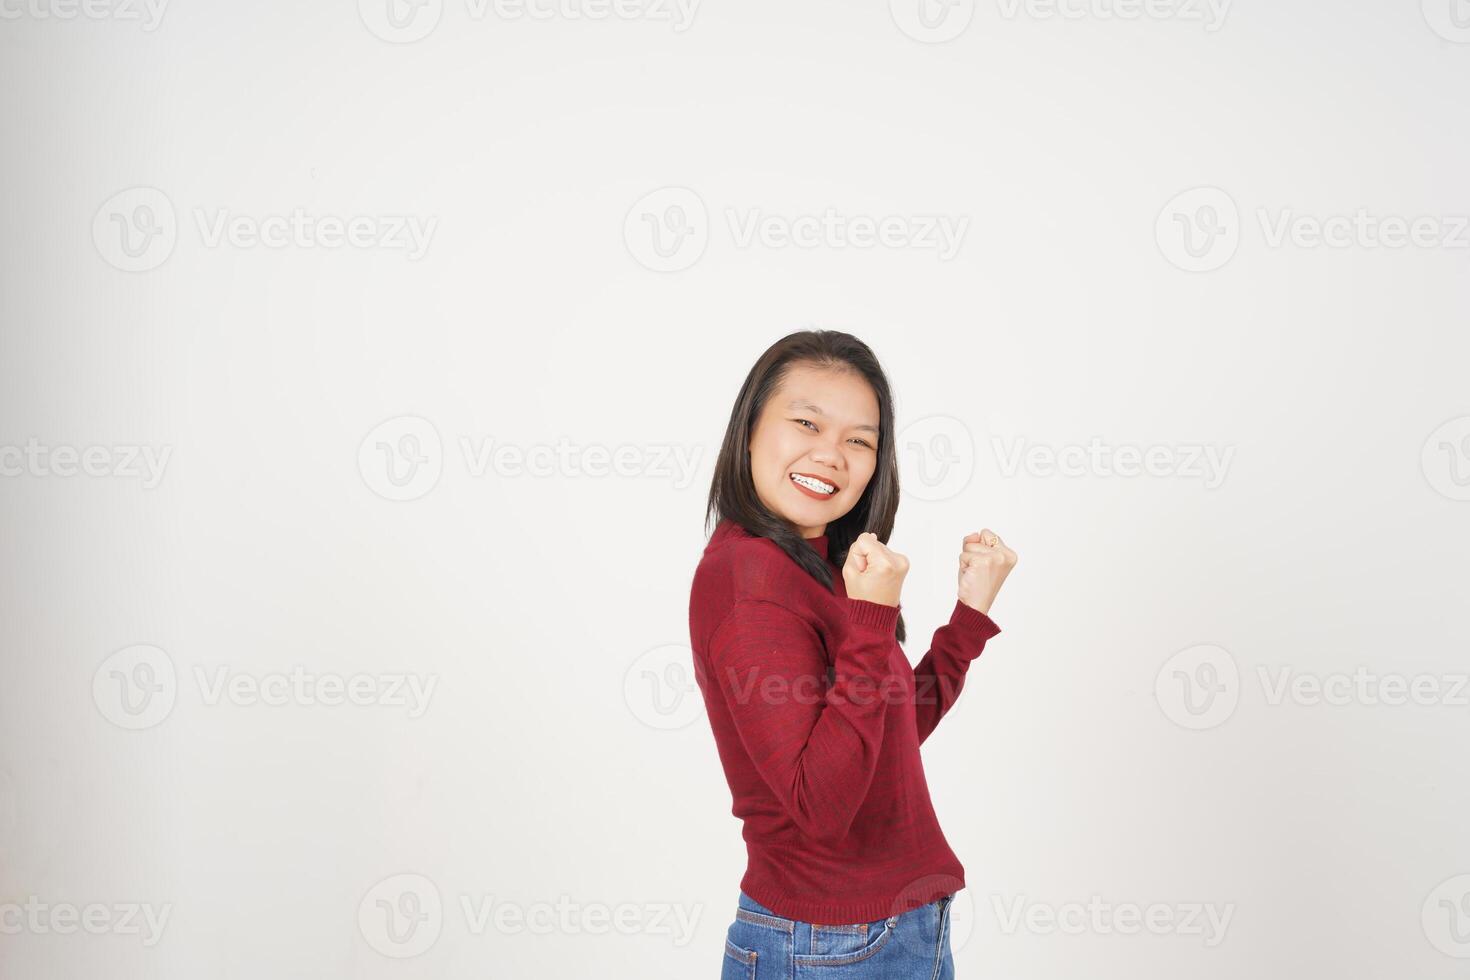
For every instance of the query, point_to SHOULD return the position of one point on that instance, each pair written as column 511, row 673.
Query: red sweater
column 824, row 769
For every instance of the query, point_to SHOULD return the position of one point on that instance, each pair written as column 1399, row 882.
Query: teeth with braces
column 813, row 484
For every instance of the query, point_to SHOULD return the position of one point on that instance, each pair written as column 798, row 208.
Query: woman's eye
column 860, row 442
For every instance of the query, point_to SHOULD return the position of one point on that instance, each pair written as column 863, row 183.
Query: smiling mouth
column 814, row 484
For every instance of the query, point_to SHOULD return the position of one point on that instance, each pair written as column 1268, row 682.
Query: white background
column 559, row 757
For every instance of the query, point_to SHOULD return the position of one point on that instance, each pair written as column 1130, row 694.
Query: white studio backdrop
column 362, row 371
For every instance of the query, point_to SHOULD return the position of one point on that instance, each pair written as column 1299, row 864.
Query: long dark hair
column 732, row 490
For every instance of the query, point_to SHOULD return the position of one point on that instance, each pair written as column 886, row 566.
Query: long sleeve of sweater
column 816, row 746
column 940, row 675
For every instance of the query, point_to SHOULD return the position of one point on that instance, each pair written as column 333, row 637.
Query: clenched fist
column 873, row 571
column 985, row 561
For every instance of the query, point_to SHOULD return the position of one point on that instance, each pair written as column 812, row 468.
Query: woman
column 816, row 711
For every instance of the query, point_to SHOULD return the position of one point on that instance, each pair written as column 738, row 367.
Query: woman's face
column 823, row 424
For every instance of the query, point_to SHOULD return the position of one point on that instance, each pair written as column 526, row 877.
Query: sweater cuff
column 864, row 613
column 972, row 621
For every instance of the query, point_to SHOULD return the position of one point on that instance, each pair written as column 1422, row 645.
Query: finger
column 865, row 549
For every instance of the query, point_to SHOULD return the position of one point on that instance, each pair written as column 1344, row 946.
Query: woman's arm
column 816, row 747
column 985, row 562
column 940, row 676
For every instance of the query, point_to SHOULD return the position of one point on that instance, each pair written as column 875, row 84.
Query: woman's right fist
column 873, row 571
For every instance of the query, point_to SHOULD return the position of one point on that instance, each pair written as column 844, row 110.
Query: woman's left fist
column 985, row 561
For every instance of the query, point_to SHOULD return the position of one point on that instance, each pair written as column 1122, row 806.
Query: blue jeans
column 761, row 945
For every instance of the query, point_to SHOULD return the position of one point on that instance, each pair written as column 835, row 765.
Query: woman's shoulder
column 746, row 566
column 740, row 570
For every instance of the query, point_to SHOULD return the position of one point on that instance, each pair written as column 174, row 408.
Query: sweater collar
column 728, row 526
